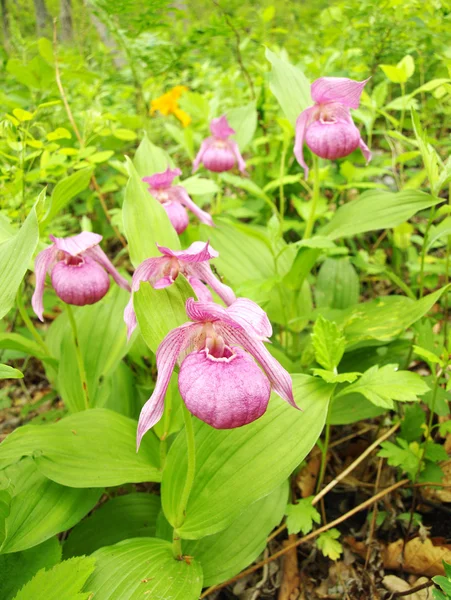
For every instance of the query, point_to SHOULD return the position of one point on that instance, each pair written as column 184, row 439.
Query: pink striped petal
column 338, row 89
column 44, row 263
column 162, row 283
column 200, row 155
column 177, row 215
column 185, row 200
column 197, row 252
column 162, row 180
column 365, row 151
column 203, row 271
column 280, row 379
column 76, row 244
column 220, row 128
column 202, row 312
column 251, row 317
column 168, row 352
column 202, row 292
column 301, row 127
column 150, row 269
column 100, row 257
column 130, row 317
column 240, row 160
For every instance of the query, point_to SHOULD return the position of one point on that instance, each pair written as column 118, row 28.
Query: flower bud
column 224, row 392
column 79, row 280
column 332, row 140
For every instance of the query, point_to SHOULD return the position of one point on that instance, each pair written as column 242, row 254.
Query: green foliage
column 329, row 545
column 301, row 516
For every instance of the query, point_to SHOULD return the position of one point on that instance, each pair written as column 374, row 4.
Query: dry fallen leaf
column 306, row 478
column 291, row 579
column 396, row 584
column 442, row 494
column 421, row 558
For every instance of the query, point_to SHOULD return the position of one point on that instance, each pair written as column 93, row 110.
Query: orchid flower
column 78, row 268
column 218, row 153
column 162, row 271
column 175, row 199
column 226, row 372
column 327, row 127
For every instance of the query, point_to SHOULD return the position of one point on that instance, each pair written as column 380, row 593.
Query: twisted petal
column 197, row 252
column 251, row 317
column 365, row 150
column 203, row 148
column 280, row 378
column 44, row 262
column 301, row 127
column 338, row 89
column 162, row 180
column 130, row 317
column 76, row 244
column 203, row 271
column 177, row 214
column 220, row 128
column 185, row 200
column 202, row 292
column 99, row 256
column 168, row 351
column 203, row 312
column 240, row 160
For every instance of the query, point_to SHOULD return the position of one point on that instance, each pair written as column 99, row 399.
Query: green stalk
column 314, row 201
column 191, row 469
column 29, row 323
column 325, row 448
column 80, row 362
column 281, row 190
column 423, row 249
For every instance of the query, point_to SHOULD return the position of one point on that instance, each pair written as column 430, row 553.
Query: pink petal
column 44, row 262
column 203, row 271
column 225, row 393
column 301, row 127
column 168, row 351
column 185, row 200
column 99, row 256
column 162, row 283
column 332, row 140
column 203, row 148
column 220, row 128
column 365, row 150
column 130, row 317
column 76, row 244
column 80, row 284
column 150, row 269
column 338, row 89
column 162, row 180
column 203, row 312
column 240, row 160
column 197, row 252
column 177, row 215
column 202, row 292
column 251, row 317
column 280, row 378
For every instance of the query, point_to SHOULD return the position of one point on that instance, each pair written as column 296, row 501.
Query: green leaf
column 16, row 341
column 435, row 452
column 331, row 377
column 289, row 85
column 301, row 516
column 406, row 456
column 143, row 568
column 244, row 121
column 376, row 209
column 150, row 159
column 329, row 545
column 41, row 508
column 160, row 311
column 93, row 448
column 121, row 518
column 228, row 552
column 428, row 356
column 7, row 372
column 63, row 582
column 413, row 422
column 142, row 213
column 337, row 284
column 127, row 135
column 430, row 157
column 199, row 186
column 383, row 385
column 352, row 408
column 66, row 189
column 18, row 568
column 328, row 343
column 237, row 467
column 15, row 256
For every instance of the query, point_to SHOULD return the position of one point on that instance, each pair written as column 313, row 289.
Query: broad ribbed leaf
column 67, row 189
column 337, row 284
column 123, row 517
column 237, row 467
column 228, row 552
column 150, row 159
column 93, row 448
column 41, row 508
column 376, row 209
column 143, row 568
column 244, row 121
column 7, row 372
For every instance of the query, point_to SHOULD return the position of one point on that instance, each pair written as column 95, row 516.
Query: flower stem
column 423, row 249
column 325, row 448
column 29, row 323
column 281, row 190
column 191, row 469
column 80, row 362
column 314, row 200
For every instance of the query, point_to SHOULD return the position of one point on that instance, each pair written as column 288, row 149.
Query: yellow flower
column 167, row 105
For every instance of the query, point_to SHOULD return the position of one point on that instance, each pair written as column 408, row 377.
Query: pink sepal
column 185, row 200
column 240, row 160
column 197, row 252
column 203, row 271
column 76, row 244
column 44, row 262
column 365, row 151
column 203, row 148
column 251, row 317
column 162, row 180
column 301, row 127
column 220, row 128
column 100, row 257
column 338, row 89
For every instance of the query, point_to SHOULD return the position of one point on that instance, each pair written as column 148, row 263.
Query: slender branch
column 308, row 537
column 70, row 116
column 418, row 588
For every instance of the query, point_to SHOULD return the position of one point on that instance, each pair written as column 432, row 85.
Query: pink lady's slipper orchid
column 175, row 199
column 78, row 269
column 219, row 379
column 327, row 127
column 218, row 153
column 162, row 271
